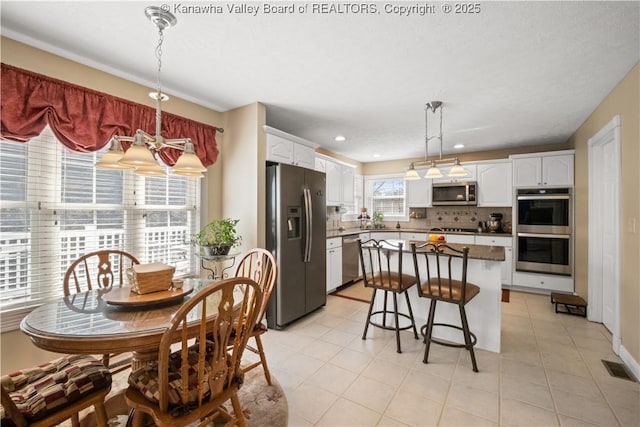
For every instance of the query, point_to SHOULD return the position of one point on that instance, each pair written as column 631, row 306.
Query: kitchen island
column 483, row 312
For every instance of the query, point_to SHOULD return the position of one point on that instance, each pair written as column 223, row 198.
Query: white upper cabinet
column 340, row 183
column 334, row 183
column 289, row 149
column 304, row 156
column 557, row 170
column 419, row 191
column 495, row 184
column 279, row 149
column 543, row 169
column 321, row 165
column 348, row 177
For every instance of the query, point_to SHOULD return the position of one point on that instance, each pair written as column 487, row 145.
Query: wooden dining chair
column 445, row 281
column 259, row 265
column 193, row 382
column 48, row 394
column 101, row 269
column 381, row 263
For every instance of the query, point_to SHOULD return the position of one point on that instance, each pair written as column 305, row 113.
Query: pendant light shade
column 433, row 172
column 411, row 174
column 188, row 161
column 457, row 170
column 138, row 154
column 150, row 170
column 111, row 159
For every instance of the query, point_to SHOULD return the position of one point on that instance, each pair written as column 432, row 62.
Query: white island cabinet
column 483, row 312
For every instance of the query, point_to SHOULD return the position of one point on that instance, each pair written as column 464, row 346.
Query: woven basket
column 153, row 277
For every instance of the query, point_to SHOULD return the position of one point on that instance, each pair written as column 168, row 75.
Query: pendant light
column 457, row 170
column 141, row 154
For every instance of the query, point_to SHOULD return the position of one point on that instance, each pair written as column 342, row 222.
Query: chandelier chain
column 159, row 56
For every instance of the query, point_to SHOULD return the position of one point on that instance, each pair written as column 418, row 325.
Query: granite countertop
column 479, row 252
column 355, row 231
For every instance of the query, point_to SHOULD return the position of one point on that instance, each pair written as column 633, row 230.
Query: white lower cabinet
column 460, row 238
column 334, row 263
column 408, row 235
column 385, row 235
column 543, row 282
column 507, row 265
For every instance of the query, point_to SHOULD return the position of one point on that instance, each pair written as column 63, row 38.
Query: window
column 386, row 194
column 57, row 206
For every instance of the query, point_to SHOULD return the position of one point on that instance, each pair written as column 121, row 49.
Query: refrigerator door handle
column 309, row 222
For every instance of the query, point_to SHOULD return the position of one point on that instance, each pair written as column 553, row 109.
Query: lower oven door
column 544, row 253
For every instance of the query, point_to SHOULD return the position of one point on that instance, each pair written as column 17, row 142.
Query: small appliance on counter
column 494, row 225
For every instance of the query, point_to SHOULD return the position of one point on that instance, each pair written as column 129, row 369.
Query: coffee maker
column 494, row 224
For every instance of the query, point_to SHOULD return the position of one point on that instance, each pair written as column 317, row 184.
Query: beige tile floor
column 549, row 373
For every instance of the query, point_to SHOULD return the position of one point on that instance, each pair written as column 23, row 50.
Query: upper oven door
column 549, row 212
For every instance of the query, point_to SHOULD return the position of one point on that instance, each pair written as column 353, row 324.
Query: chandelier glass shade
column 141, row 155
column 434, row 172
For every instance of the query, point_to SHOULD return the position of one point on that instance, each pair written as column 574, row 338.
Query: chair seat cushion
column 145, row 379
column 391, row 281
column 42, row 390
column 443, row 293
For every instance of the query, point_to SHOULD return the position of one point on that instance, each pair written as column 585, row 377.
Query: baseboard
column 630, row 362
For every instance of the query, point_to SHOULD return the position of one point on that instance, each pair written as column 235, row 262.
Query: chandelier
column 141, row 154
column 457, row 170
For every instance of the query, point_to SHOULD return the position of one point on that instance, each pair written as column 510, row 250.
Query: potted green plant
column 218, row 237
column 378, row 218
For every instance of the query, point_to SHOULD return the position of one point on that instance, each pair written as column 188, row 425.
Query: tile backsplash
column 426, row 218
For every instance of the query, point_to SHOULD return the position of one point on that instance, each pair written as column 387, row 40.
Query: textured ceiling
column 514, row 74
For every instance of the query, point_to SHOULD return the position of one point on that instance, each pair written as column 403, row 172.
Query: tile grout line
column 597, row 384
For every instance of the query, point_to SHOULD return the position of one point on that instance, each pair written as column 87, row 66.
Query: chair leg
column 366, row 325
column 237, row 409
column 397, row 321
column 429, row 329
column 413, row 322
column 467, row 337
column 75, row 420
column 105, row 360
column 263, row 359
column 101, row 415
column 384, row 313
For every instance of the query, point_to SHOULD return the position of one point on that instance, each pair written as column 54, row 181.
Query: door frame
column 610, row 133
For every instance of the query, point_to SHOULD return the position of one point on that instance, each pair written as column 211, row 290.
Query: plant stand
column 215, row 265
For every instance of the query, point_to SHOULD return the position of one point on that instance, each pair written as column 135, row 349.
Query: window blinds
column 56, row 206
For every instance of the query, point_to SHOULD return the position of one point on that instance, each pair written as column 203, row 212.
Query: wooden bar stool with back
column 440, row 285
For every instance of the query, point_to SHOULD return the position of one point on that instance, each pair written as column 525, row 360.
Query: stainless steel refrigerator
column 296, row 235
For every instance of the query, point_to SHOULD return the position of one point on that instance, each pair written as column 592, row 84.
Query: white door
column 609, row 215
column 604, row 228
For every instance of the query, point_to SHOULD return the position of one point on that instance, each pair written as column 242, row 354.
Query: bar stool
column 440, row 286
column 378, row 273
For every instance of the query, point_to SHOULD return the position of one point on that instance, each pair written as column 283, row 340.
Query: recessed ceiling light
column 376, row 155
column 340, row 138
column 458, row 146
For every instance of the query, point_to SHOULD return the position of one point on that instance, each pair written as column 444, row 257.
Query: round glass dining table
column 86, row 323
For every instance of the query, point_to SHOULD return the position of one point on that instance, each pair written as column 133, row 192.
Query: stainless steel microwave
column 454, row 193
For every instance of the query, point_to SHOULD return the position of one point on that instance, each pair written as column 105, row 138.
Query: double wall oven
column 544, row 242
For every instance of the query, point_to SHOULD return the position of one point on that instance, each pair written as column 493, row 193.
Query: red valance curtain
column 85, row 120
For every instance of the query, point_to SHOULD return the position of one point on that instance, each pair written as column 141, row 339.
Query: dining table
column 103, row 321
